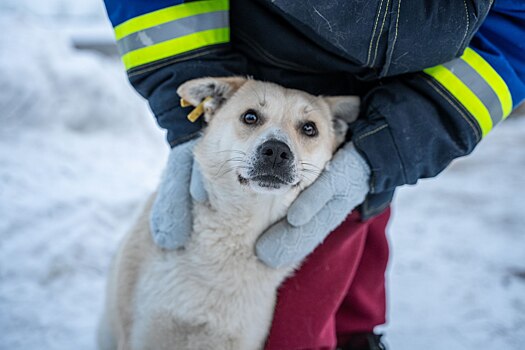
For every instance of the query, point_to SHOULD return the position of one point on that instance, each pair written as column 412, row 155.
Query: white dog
column 262, row 145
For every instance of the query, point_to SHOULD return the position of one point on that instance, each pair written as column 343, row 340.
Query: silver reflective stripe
column 172, row 30
column 478, row 86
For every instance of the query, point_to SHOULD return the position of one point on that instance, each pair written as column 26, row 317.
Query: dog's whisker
column 304, row 177
column 233, row 159
column 316, row 174
column 307, row 163
column 307, row 175
column 310, row 165
column 238, row 159
column 222, row 166
column 229, row 170
column 231, row 150
column 321, row 175
column 313, row 172
column 226, row 173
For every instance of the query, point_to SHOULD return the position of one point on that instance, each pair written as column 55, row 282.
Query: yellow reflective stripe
column 464, row 95
column 169, row 14
column 491, row 77
column 175, row 46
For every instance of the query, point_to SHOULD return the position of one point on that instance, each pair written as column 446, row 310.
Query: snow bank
column 457, row 274
column 78, row 153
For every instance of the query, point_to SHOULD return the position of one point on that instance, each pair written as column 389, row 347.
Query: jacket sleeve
column 415, row 124
column 167, row 42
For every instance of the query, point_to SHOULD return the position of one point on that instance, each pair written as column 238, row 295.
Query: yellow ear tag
column 198, row 111
column 184, row 103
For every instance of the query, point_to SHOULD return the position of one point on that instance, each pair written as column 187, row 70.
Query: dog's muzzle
column 273, row 165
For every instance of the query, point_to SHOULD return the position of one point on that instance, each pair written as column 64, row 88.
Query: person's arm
column 414, row 125
column 167, row 42
column 164, row 43
column 411, row 126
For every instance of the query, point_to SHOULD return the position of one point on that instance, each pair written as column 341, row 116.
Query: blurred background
column 80, row 151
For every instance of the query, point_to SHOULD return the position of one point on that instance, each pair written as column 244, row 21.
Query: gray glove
column 171, row 215
column 317, row 211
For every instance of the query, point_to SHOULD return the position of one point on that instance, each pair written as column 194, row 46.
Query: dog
column 262, row 145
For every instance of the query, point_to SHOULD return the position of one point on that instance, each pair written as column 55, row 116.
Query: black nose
column 276, row 153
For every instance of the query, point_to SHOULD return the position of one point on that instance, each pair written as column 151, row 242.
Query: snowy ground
column 79, row 152
column 457, row 274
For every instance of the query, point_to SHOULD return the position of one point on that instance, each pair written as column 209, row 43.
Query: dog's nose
column 276, row 153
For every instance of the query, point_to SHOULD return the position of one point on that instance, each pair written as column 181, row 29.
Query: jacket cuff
column 174, row 139
column 375, row 143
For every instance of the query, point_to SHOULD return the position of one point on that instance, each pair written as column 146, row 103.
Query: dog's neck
column 238, row 203
column 241, row 210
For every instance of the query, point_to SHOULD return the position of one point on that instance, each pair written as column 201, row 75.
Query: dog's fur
column 215, row 293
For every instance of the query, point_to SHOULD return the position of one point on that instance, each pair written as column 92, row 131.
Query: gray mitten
column 171, row 215
column 317, row 211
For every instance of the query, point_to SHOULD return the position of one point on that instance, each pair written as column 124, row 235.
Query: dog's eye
column 250, row 117
column 309, row 129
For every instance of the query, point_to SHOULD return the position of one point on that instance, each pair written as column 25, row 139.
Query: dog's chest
column 216, row 281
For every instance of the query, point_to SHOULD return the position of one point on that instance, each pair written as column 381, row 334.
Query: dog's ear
column 344, row 109
column 218, row 89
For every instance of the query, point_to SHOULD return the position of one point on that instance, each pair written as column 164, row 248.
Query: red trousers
column 338, row 291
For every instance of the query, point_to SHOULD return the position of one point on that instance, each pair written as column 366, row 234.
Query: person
column 434, row 77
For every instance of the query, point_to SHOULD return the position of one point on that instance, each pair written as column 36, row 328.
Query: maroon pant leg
column 364, row 305
column 306, row 314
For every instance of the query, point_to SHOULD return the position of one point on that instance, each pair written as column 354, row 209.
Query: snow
column 457, row 274
column 79, row 152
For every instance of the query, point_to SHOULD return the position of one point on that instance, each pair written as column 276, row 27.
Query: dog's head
column 264, row 137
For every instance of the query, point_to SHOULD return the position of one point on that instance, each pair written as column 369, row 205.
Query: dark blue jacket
column 434, row 76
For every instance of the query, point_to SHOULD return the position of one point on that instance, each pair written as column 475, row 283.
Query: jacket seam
column 395, row 36
column 403, row 168
column 468, row 24
column 450, row 100
column 380, row 32
column 374, row 32
column 376, row 130
column 373, row 176
column 361, row 137
column 172, row 60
